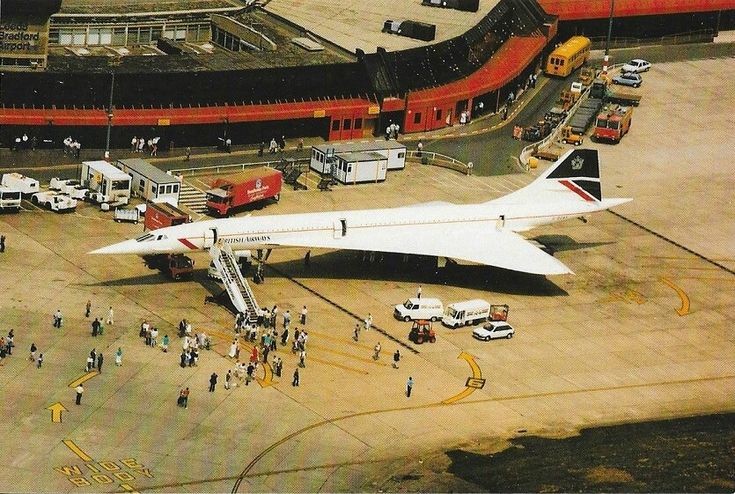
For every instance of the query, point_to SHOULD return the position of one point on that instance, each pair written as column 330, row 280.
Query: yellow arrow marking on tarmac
column 76, row 450
column 86, row 377
column 476, row 375
column 56, row 410
column 684, row 309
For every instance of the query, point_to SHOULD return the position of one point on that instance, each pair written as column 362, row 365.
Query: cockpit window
column 144, row 238
column 161, row 237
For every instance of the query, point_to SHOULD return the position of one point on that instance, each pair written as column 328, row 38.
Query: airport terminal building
column 191, row 71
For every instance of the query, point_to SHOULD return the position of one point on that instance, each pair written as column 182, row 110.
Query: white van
column 16, row 181
column 466, row 313
column 419, row 308
column 9, row 199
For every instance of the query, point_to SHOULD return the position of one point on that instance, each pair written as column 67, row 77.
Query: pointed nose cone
column 126, row 247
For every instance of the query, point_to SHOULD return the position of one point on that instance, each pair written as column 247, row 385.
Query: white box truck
column 107, row 184
column 9, row 199
column 16, row 181
column 465, row 313
column 419, row 308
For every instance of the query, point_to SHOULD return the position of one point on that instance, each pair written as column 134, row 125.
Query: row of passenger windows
column 165, row 189
column 127, row 35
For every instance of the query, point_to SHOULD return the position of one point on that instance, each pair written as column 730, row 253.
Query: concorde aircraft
column 484, row 233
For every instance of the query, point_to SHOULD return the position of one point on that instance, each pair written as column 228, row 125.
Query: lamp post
column 607, row 41
column 109, row 117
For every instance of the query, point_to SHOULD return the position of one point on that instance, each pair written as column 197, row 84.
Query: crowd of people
column 143, row 145
column 267, row 337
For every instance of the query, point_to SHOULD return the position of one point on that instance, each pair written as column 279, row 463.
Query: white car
column 637, row 65
column 493, row 330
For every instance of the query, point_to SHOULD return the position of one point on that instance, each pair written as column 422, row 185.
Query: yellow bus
column 568, row 57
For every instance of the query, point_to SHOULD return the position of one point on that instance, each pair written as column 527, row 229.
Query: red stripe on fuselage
column 577, row 190
column 188, row 244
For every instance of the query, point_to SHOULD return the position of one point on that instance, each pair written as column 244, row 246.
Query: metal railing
column 669, row 39
column 438, row 159
column 302, row 163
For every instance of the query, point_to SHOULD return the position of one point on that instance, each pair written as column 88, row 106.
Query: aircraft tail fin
column 576, row 175
column 579, row 171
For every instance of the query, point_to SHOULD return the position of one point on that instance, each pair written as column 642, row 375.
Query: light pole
column 109, row 117
column 609, row 34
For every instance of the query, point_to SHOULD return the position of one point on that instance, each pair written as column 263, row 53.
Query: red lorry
column 163, row 214
column 240, row 189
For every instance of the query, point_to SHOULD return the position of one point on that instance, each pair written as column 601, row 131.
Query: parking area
column 643, row 329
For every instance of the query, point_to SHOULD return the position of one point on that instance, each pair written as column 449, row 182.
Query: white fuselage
column 269, row 232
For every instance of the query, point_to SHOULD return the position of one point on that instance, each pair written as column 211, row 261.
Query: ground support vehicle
column 163, row 214
column 555, row 116
column 549, row 153
column 623, row 95
column 244, row 261
column 9, row 199
column 234, row 191
column 537, row 132
column 107, row 184
column 132, row 215
column 569, row 137
column 421, row 332
column 54, row 201
column 58, row 183
column 613, row 122
column 587, row 75
column 585, row 114
column 615, row 94
column 499, row 312
column 16, row 181
column 567, row 98
column 175, row 266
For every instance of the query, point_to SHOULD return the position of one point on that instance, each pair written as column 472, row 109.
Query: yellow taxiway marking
column 464, row 394
column 249, row 347
column 86, row 377
column 56, row 410
column 684, row 309
column 267, row 379
column 473, row 383
column 76, row 450
column 128, row 488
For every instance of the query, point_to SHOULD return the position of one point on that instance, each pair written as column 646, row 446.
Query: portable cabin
column 323, row 155
column 355, row 168
column 151, row 183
